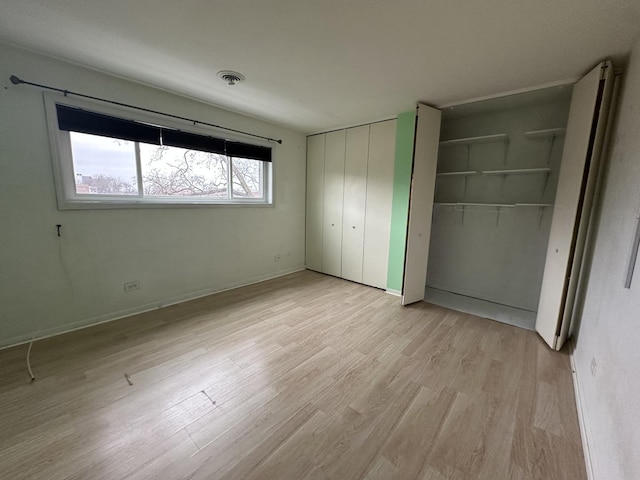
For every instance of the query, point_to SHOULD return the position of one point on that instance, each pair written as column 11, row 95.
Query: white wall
column 50, row 284
column 609, row 330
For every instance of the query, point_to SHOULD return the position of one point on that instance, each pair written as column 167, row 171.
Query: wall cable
column 29, row 359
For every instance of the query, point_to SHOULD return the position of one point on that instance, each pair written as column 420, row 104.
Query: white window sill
column 129, row 203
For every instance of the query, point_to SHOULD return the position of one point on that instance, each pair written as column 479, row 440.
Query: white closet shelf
column 549, row 132
column 451, row 174
column 500, row 137
column 517, row 171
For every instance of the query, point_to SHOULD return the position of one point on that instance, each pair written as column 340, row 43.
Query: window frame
column 63, row 172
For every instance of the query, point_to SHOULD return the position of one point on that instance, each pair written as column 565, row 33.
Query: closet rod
column 548, row 132
column 505, row 205
column 468, row 204
column 502, row 205
column 17, row 81
column 451, row 174
column 544, row 205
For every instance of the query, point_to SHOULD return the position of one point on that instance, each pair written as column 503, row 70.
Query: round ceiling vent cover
column 231, row 77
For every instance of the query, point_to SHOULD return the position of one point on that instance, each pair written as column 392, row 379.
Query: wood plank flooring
column 304, row 377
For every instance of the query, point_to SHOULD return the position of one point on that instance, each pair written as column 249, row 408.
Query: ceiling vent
column 231, row 77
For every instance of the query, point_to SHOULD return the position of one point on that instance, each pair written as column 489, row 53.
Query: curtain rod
column 17, row 81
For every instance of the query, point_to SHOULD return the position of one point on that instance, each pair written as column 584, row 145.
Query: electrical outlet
column 594, row 367
column 129, row 286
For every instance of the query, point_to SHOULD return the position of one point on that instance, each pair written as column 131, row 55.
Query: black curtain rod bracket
column 17, row 81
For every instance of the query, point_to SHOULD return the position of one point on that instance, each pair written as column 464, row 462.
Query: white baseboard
column 110, row 317
column 582, row 414
column 397, row 293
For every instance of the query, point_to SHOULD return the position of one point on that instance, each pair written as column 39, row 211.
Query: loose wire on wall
column 29, row 360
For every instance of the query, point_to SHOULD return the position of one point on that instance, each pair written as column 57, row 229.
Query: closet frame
column 584, row 138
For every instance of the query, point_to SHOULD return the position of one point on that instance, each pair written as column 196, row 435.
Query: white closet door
column 382, row 145
column 315, row 201
column 333, row 200
column 355, row 191
column 576, row 181
column 425, row 160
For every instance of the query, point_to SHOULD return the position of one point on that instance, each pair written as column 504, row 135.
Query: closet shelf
column 451, row 174
column 500, row 137
column 517, row 171
column 549, row 132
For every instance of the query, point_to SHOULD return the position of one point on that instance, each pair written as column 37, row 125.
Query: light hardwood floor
column 303, row 377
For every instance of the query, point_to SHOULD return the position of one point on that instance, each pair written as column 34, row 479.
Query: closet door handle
column 354, row 227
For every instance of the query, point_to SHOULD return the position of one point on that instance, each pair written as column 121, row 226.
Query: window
column 111, row 158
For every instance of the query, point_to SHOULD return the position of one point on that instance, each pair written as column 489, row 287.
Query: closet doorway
column 513, row 185
column 496, row 180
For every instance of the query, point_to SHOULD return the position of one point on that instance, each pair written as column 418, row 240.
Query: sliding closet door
column 333, row 200
column 425, row 160
column 576, row 182
column 355, row 192
column 382, row 147
column 315, row 202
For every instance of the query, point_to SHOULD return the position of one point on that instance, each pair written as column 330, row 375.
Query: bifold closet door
column 315, row 201
column 425, row 160
column 576, row 183
column 334, row 154
column 355, row 192
column 377, row 227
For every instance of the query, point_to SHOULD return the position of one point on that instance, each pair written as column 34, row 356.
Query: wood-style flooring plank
column 304, row 377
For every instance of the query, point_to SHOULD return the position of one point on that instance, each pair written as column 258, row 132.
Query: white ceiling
column 314, row 65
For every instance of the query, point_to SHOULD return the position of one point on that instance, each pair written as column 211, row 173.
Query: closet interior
column 495, row 187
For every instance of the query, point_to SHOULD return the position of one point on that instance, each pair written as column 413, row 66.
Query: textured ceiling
column 316, row 65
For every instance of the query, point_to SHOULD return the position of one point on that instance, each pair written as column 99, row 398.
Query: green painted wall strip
column 405, row 133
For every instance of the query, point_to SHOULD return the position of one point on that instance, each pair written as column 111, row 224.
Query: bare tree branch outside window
column 166, row 171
